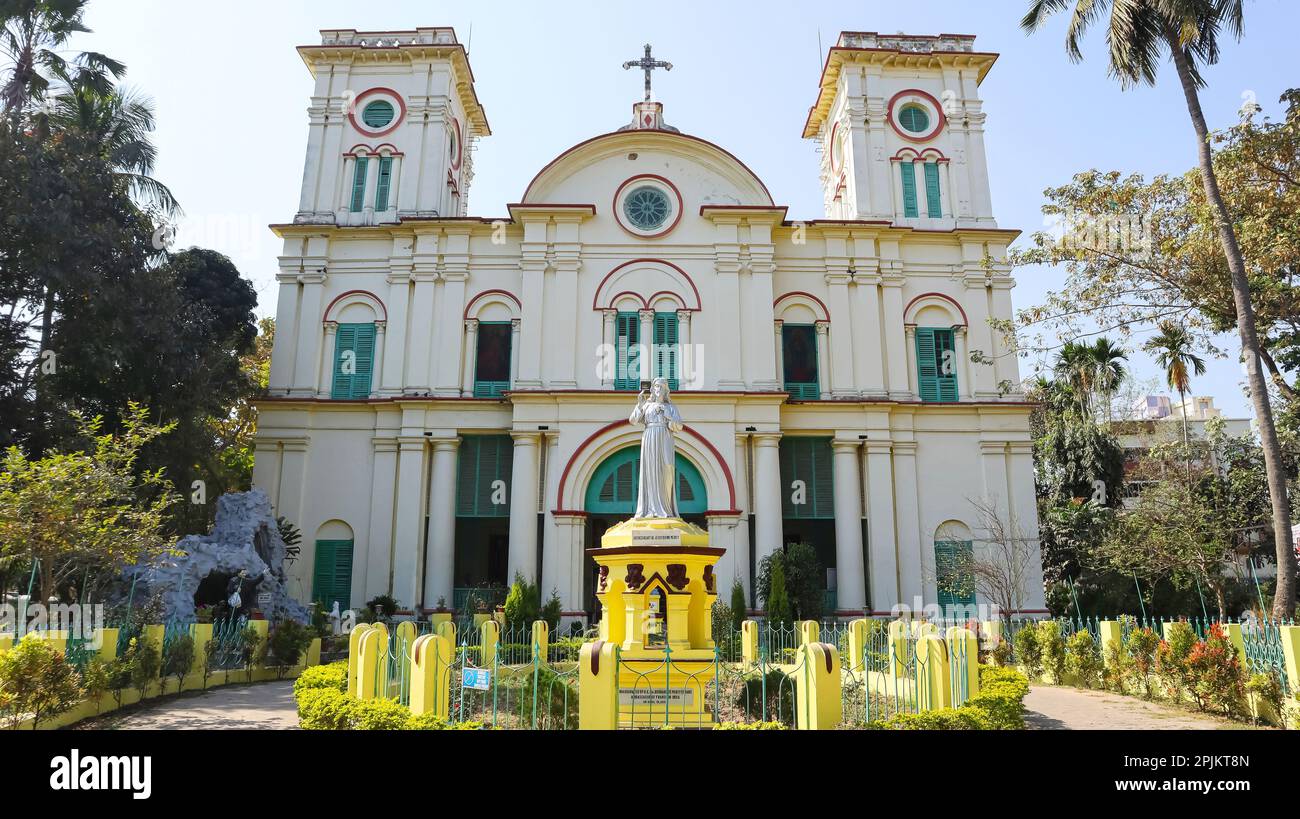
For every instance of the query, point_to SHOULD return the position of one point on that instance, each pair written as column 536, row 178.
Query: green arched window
column 612, row 490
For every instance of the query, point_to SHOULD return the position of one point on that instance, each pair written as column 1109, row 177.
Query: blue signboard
column 478, row 679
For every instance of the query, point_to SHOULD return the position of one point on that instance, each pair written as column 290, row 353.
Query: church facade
column 449, row 394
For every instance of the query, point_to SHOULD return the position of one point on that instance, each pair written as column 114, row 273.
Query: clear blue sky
column 231, row 95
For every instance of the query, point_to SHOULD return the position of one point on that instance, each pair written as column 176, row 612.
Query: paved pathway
column 260, row 706
column 1055, row 708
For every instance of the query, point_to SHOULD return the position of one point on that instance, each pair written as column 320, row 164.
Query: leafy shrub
column 1029, row 652
column 179, row 659
column 325, row 709
column 286, row 643
column 751, row 726
column 1115, row 668
column 1082, row 659
column 382, row 607
column 1053, row 648
column 379, row 715
column 721, row 622
column 965, row 718
column 776, row 602
column 739, row 606
column 1141, row 647
column 523, row 603
column 333, row 676
column 1267, row 689
column 145, row 664
column 1216, row 675
column 328, row 709
column 1001, row 697
column 36, row 681
column 1171, row 660
column 779, row 692
column 1003, row 654
column 803, row 583
column 557, row 699
column 552, row 612
column 94, row 680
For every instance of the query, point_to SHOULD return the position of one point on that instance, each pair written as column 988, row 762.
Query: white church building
column 449, row 394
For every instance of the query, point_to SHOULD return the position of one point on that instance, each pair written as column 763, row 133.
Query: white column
column 871, row 352
column 824, row 358
column 980, row 336
column 945, row 189
column 964, row 365
column 325, row 384
column 689, row 365
column 448, row 354
column 741, row 544
column 409, row 527
column 1005, row 366
column 523, row 506
column 379, row 545
column 563, row 343
column 723, row 529
column 565, row 572
column 779, row 326
column 471, row 357
column 399, row 296
column 880, row 523
column 913, row 378
column 372, row 188
column 726, row 326
column 289, row 503
column 286, row 322
column 381, row 348
column 530, row 352
column 763, row 371
column 555, row 558
column 897, row 174
column 841, row 341
column 993, row 458
column 439, row 565
column 896, row 338
column 419, row 376
column 1024, row 516
column 915, row 551
column 514, row 351
column 851, row 592
column 767, row 494
column 309, row 336
column 647, row 355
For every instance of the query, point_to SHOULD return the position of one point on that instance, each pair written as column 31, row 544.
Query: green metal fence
column 1263, row 644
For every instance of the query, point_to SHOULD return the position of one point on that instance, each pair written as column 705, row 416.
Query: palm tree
column 117, row 122
column 1107, row 371
column 1074, row 368
column 1172, row 348
column 1139, row 34
column 31, row 32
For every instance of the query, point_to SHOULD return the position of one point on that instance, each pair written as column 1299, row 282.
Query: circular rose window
column 647, row 206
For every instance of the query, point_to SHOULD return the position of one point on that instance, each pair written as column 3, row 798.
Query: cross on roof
column 648, row 64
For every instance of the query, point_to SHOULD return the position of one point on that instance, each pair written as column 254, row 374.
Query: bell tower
column 393, row 122
column 900, row 126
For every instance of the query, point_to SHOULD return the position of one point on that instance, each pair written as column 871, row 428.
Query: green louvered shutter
column 482, row 461
column 945, row 349
column 358, row 339
column 909, row 189
column 359, row 183
column 384, row 185
column 665, row 348
column 332, row 574
column 933, row 205
column 934, row 346
column 627, row 328
column 807, row 460
column 955, row 578
column 927, row 370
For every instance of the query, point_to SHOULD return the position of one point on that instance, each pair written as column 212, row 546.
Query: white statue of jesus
column 656, row 496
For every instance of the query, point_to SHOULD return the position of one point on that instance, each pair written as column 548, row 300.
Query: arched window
column 354, row 361
column 799, row 361
column 954, row 572
column 613, row 487
column 332, row 570
column 936, row 364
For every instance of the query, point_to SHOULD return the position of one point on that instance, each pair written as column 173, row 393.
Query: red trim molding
column 904, row 133
column 595, row 300
column 383, row 310
column 473, row 301
column 681, row 205
column 965, row 322
column 397, row 120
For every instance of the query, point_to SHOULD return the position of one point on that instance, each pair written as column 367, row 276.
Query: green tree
column 739, row 606
column 32, row 35
column 71, row 512
column 775, row 601
column 1172, row 348
column 37, row 682
column 1139, row 33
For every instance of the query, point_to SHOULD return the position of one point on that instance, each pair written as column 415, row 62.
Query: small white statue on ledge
column 656, row 496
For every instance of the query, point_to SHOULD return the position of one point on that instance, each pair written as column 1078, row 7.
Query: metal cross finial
column 648, row 64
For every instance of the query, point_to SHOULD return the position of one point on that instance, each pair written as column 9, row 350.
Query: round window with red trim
column 377, row 112
column 648, row 206
column 455, row 144
column 916, row 116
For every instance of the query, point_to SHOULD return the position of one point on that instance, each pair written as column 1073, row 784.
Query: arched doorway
column 611, row 499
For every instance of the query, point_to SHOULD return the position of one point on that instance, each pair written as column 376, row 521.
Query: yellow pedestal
column 656, row 589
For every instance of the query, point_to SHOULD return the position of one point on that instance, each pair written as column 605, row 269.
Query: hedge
column 328, row 709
